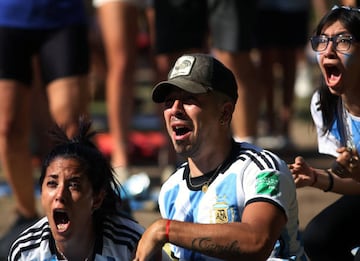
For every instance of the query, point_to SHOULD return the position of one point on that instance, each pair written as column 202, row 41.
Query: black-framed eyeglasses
column 342, row 43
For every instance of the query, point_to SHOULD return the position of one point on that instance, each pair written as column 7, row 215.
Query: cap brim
column 161, row 90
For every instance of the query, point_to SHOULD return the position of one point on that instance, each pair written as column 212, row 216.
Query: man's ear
column 98, row 199
column 227, row 111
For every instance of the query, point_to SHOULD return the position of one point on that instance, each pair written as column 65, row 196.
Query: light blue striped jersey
column 118, row 241
column 249, row 174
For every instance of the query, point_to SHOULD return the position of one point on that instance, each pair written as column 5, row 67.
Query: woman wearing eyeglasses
column 335, row 109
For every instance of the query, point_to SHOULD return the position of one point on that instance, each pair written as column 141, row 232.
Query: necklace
column 88, row 257
column 348, row 122
column 205, row 185
column 349, row 140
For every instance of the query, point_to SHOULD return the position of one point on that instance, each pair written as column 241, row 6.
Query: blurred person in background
column 55, row 31
column 232, row 25
column 118, row 22
column 278, row 55
column 353, row 3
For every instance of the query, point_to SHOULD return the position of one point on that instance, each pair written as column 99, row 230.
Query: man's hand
column 151, row 242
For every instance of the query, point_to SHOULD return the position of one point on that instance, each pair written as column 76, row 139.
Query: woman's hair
column 350, row 19
column 92, row 163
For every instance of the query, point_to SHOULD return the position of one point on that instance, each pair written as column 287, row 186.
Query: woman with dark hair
column 82, row 204
column 335, row 109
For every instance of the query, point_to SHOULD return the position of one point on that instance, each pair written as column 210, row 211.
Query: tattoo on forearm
column 207, row 245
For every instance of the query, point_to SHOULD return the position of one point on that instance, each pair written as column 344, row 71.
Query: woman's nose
column 330, row 49
column 60, row 193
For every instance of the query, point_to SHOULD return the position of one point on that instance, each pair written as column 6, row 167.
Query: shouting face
column 68, row 200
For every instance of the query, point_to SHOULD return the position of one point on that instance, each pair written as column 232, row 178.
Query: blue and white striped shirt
column 249, row 174
column 118, row 242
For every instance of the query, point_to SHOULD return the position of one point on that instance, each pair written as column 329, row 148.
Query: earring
column 222, row 122
column 94, row 209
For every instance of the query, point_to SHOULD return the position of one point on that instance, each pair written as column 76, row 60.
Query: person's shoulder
column 121, row 235
column 260, row 157
column 177, row 175
column 315, row 109
column 242, row 147
column 249, row 150
column 315, row 98
column 122, row 225
column 31, row 239
column 34, row 232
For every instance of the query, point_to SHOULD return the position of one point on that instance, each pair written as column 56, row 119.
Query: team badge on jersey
column 222, row 213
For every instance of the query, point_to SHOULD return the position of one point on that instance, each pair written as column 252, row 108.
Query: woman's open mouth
column 333, row 75
column 61, row 219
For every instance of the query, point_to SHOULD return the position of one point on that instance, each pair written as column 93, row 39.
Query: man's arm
column 251, row 239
